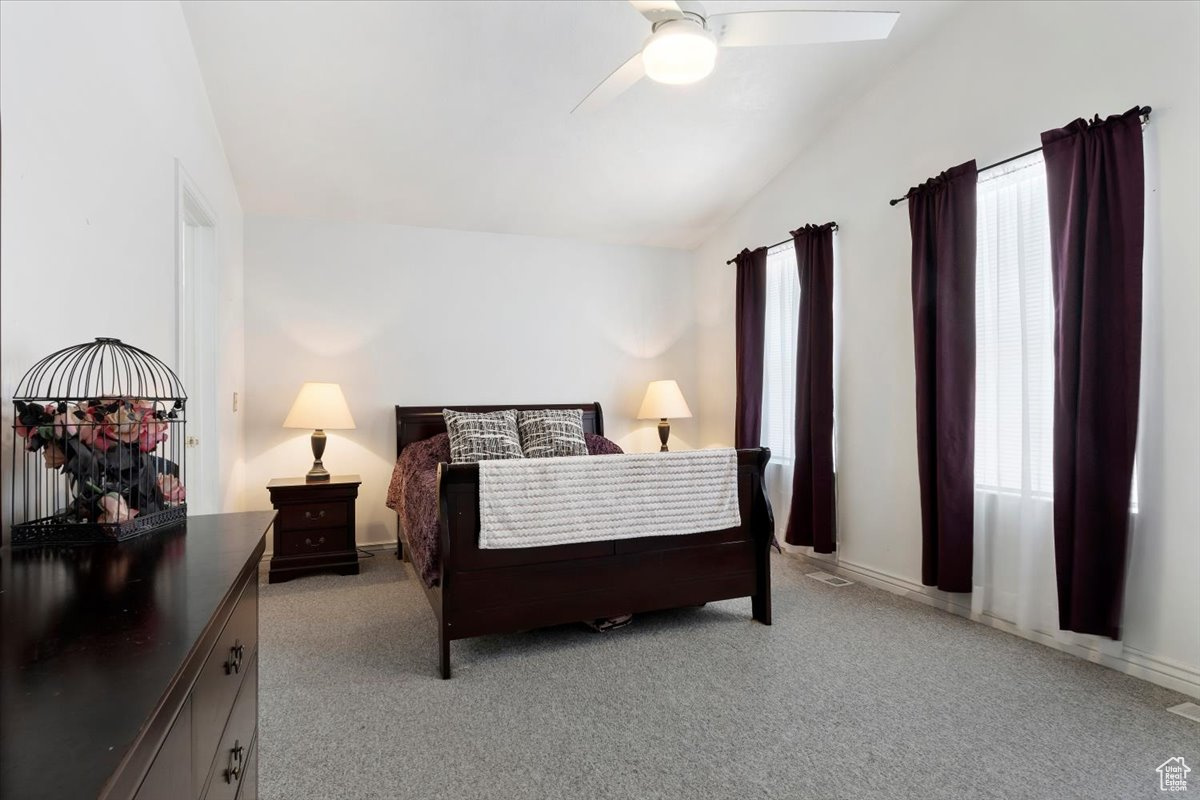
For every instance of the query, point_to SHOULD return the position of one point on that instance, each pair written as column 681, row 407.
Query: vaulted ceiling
column 456, row 114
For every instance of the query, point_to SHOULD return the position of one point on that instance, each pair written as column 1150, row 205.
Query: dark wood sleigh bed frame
column 503, row 591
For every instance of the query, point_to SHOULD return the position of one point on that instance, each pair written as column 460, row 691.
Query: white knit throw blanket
column 531, row 502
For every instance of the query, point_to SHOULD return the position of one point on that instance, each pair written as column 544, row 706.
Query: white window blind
column 1014, row 329
column 779, row 354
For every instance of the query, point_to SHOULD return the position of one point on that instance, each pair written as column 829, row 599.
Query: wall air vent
column 832, row 580
column 1189, row 710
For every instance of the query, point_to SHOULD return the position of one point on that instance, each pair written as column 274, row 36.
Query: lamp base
column 664, row 431
column 318, row 471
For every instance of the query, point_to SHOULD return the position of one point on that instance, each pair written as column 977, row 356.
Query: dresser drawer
column 311, row 542
column 248, row 785
column 233, row 759
column 303, row 516
column 224, row 672
column 170, row 776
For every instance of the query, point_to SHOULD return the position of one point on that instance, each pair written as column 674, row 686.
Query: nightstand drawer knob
column 317, row 543
column 319, row 515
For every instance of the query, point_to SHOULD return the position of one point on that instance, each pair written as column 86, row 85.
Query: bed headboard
column 414, row 423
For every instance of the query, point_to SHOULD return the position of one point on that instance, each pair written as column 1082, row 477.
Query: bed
column 475, row 592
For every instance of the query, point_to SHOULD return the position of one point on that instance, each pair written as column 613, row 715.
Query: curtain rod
column 1144, row 112
column 833, row 226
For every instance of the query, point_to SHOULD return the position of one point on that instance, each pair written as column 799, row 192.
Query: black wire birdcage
column 98, row 450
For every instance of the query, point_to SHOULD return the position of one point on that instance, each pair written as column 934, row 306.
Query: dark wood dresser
column 314, row 531
column 131, row 670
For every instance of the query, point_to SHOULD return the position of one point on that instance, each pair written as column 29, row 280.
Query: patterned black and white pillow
column 482, row 437
column 552, row 432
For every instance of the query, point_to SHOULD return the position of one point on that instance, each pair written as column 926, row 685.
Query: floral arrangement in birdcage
column 100, row 426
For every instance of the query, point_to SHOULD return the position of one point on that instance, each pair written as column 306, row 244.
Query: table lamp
column 664, row 401
column 318, row 407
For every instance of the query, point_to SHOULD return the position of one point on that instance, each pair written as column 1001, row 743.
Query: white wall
column 415, row 316
column 985, row 87
column 98, row 100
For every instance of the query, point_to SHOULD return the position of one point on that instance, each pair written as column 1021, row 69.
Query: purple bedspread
column 412, row 494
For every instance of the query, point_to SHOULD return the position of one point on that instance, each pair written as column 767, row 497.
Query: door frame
column 196, row 299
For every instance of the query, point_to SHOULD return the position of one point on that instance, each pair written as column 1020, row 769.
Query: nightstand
column 314, row 526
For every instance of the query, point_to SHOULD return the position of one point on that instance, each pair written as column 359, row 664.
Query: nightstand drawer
column 301, row 516
column 311, row 542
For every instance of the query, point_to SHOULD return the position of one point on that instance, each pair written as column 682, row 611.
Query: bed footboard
column 501, row 591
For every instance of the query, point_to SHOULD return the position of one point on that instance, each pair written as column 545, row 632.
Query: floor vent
column 832, row 580
column 1189, row 710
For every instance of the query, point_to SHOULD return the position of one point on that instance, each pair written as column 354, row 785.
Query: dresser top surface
column 91, row 638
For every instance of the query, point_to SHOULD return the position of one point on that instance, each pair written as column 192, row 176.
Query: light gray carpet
column 853, row 692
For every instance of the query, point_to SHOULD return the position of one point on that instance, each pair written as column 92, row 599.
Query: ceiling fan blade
column 657, row 10
column 621, row 79
column 760, row 28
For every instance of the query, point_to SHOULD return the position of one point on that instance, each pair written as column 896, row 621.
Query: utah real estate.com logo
column 1172, row 775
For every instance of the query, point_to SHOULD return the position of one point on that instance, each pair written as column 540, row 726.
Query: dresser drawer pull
column 234, row 772
column 319, row 515
column 234, row 664
column 317, row 543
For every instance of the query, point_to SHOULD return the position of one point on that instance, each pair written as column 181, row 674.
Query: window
column 1014, row 329
column 781, row 325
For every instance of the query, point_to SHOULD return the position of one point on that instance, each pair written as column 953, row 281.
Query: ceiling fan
column 683, row 42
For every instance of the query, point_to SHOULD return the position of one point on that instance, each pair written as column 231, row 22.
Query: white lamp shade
column 663, row 400
column 320, row 406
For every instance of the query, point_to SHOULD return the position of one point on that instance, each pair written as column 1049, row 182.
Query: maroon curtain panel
column 1096, row 191
column 812, row 519
column 751, row 319
column 941, row 213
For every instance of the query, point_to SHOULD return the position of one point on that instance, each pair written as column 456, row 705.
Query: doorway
column 196, row 341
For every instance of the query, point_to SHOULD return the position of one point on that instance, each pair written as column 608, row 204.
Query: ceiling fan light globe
column 680, row 51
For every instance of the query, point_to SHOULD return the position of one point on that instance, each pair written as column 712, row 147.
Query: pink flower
column 153, row 432
column 153, row 436
column 102, row 427
column 54, row 455
column 95, row 433
column 93, row 427
column 124, row 424
column 65, row 424
column 136, row 421
column 172, row 490
column 143, row 406
column 113, row 508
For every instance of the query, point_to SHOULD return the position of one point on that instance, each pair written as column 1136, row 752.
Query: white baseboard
column 390, row 544
column 1164, row 672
